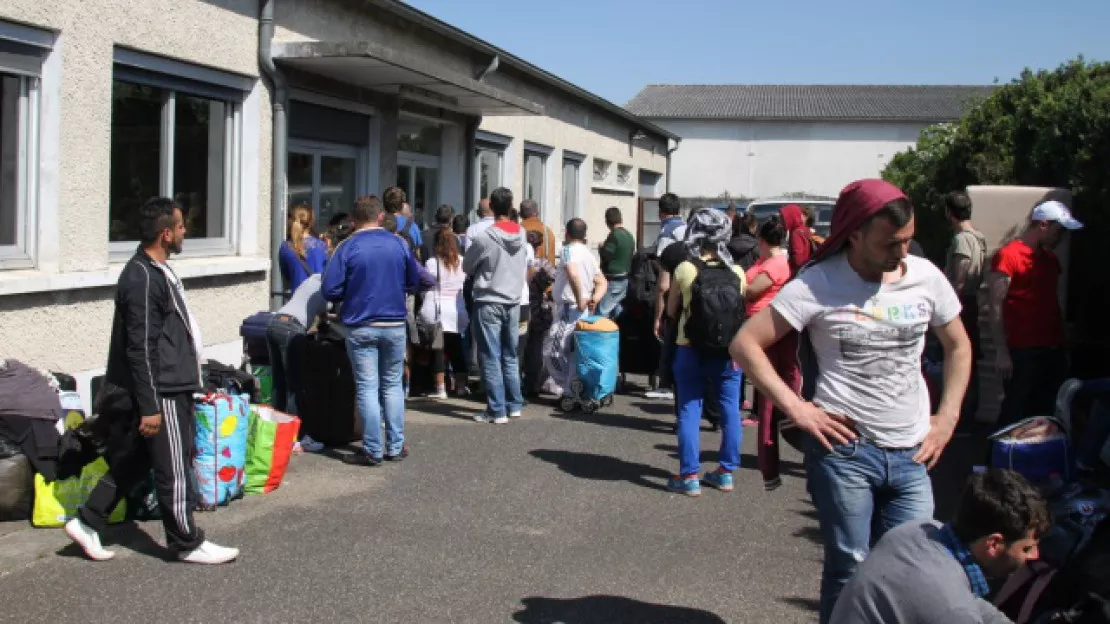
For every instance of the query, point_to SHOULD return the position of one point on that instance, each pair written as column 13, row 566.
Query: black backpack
column 716, row 308
column 643, row 276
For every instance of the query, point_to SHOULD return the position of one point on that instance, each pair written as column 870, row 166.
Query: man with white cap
column 1026, row 321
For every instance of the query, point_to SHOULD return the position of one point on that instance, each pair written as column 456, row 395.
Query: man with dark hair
column 579, row 286
column 669, row 210
column 616, row 261
column 370, row 273
column 458, row 226
column 146, row 402
column 444, row 215
column 530, row 219
column 497, row 261
column 485, row 220
column 964, row 266
column 1027, row 323
column 925, row 572
column 867, row 306
column 394, row 201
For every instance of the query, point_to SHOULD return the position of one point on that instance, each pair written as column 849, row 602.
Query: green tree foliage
column 1046, row 128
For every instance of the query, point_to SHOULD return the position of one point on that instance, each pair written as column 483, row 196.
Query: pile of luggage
column 51, row 454
column 1068, row 457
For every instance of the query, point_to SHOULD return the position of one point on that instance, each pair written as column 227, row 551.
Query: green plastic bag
column 269, row 447
column 265, row 377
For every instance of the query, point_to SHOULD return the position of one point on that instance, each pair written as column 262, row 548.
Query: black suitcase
column 326, row 400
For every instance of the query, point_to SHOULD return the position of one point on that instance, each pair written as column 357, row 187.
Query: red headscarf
column 858, row 201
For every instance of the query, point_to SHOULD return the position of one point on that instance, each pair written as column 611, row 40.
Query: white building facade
column 750, row 141
column 105, row 103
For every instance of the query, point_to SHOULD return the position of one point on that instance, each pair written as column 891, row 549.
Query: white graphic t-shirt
column 868, row 339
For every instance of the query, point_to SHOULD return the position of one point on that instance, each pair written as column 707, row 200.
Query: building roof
column 413, row 14
column 926, row 103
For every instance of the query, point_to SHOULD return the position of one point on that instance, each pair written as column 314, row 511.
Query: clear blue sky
column 615, row 47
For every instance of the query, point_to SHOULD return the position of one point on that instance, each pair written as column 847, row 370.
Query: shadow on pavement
column 809, row 604
column 661, row 408
column 611, row 419
column 603, row 468
column 747, row 462
column 608, row 610
column 127, row 535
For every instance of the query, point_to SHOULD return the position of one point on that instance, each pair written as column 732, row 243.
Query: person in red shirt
column 799, row 237
column 1027, row 325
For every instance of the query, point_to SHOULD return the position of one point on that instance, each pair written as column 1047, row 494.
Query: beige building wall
column 59, row 314
column 594, row 197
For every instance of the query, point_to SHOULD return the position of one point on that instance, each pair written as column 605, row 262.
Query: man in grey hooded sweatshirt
column 495, row 258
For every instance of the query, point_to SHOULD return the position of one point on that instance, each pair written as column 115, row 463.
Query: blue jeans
column 497, row 332
column 378, row 359
column 861, row 491
column 691, row 372
column 610, row 304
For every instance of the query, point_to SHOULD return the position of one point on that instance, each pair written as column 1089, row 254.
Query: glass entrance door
column 324, row 177
column 420, row 179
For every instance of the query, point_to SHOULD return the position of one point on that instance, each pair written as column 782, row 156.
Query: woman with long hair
column 445, row 304
column 302, row 254
column 697, row 371
column 765, row 279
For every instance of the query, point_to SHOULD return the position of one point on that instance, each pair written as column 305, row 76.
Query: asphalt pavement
column 551, row 518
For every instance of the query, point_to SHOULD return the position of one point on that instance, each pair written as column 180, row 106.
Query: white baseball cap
column 1055, row 211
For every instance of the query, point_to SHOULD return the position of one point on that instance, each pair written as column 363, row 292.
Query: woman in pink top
column 769, row 273
column 765, row 279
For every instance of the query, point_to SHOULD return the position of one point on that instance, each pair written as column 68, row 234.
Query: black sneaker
column 361, row 459
column 399, row 456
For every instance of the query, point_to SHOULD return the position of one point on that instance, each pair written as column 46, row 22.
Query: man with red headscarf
column 865, row 305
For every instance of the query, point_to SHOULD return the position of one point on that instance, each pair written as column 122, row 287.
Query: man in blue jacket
column 370, row 273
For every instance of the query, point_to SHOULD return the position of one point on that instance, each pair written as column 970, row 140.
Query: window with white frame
column 571, row 167
column 624, row 175
column 175, row 134
column 601, row 170
column 489, row 164
column 20, row 67
column 534, row 165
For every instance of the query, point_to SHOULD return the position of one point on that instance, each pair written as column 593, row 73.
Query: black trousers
column 1031, row 389
column 169, row 454
column 452, row 351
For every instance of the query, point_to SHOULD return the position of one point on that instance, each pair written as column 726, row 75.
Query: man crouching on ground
column 925, row 572
column 147, row 398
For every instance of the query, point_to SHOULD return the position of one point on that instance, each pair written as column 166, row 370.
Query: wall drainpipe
column 279, row 98
column 671, row 150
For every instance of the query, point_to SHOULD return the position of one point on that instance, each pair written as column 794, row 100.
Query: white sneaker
column 441, row 393
column 661, row 394
column 309, row 445
column 501, row 420
column 88, row 540
column 209, row 554
column 480, row 418
column 515, row 414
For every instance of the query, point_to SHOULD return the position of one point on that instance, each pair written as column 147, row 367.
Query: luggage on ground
column 57, row 502
column 269, row 447
column 716, row 308
column 253, row 331
column 221, row 378
column 326, row 400
column 221, row 444
column 1036, row 447
column 17, row 482
column 596, row 357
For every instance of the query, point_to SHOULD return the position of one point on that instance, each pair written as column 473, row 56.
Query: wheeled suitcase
column 326, row 400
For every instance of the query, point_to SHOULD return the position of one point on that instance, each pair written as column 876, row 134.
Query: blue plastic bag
column 220, row 464
column 596, row 356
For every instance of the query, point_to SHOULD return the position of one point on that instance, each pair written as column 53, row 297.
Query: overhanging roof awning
column 386, row 70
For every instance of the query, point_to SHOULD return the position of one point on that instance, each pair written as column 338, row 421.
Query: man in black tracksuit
column 146, row 401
